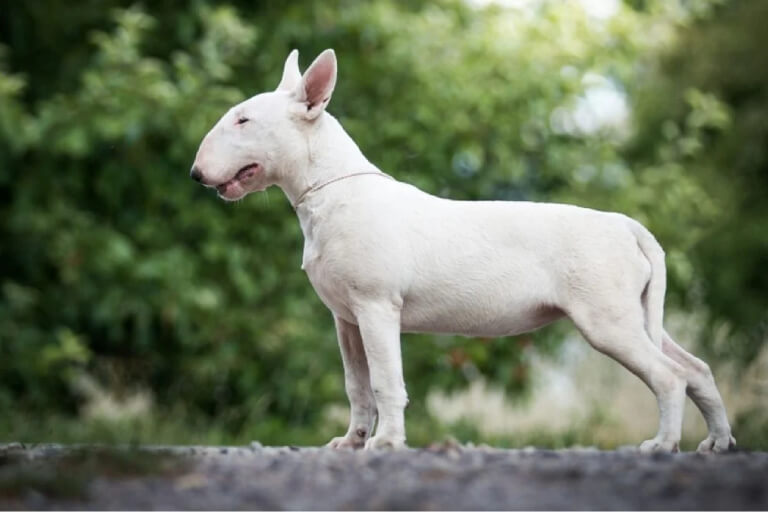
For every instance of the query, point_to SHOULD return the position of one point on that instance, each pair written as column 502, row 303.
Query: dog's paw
column 379, row 442
column 346, row 443
column 714, row 444
column 656, row 445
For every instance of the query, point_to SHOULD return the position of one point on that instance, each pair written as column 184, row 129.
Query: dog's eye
column 242, row 120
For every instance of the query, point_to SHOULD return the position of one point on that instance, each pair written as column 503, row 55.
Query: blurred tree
column 702, row 107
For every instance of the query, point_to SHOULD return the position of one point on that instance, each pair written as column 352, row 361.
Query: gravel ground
column 445, row 476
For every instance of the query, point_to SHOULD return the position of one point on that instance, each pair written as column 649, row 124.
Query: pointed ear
column 316, row 86
column 291, row 73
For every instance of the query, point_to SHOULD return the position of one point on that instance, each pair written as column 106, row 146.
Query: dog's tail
column 653, row 295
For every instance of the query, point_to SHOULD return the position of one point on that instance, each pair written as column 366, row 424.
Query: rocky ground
column 446, row 476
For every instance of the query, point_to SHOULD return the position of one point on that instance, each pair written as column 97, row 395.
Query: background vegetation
column 136, row 306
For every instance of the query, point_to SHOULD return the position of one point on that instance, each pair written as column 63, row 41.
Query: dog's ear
column 316, row 86
column 291, row 73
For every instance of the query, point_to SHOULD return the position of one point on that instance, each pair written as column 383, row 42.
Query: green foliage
column 702, row 120
column 114, row 265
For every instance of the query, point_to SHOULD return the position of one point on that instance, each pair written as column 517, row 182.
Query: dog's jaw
column 246, row 180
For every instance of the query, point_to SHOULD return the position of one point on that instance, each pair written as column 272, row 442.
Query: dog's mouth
column 234, row 188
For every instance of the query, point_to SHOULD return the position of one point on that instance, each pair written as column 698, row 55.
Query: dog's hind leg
column 618, row 330
column 703, row 391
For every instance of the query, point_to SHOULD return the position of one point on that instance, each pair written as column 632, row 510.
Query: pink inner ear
column 319, row 82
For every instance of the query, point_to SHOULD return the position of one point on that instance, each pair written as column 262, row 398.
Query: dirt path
column 443, row 477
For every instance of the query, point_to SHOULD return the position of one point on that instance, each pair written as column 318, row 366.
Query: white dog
column 386, row 257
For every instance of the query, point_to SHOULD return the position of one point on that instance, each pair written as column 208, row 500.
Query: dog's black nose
column 195, row 174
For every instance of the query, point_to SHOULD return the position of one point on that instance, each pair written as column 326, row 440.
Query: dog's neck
column 328, row 153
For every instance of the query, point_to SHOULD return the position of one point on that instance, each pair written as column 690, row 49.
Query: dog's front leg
column 357, row 382
column 379, row 325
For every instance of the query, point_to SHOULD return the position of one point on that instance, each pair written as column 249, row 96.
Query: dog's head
column 258, row 140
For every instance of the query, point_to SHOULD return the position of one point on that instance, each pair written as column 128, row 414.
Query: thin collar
column 315, row 188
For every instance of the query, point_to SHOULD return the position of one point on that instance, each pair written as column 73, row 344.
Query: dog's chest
column 326, row 275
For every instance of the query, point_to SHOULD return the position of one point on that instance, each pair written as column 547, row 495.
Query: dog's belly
column 479, row 289
column 481, row 317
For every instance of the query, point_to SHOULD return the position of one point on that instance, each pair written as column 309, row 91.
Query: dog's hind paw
column 714, row 444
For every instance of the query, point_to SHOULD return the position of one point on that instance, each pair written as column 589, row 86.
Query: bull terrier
column 386, row 257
